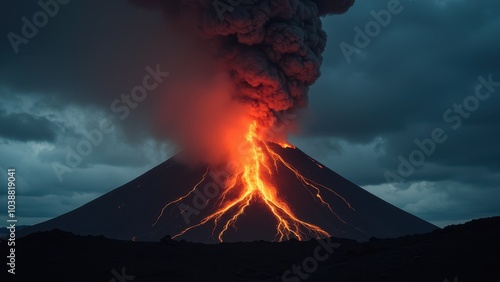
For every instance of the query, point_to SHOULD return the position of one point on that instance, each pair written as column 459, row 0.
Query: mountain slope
column 130, row 211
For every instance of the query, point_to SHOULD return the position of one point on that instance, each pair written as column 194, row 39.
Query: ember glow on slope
column 254, row 174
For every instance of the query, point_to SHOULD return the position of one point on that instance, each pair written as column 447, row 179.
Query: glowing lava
column 286, row 145
column 254, row 166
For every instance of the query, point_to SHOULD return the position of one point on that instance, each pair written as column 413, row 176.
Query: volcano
column 139, row 211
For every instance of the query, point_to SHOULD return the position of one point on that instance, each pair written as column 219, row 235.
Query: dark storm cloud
column 25, row 127
column 87, row 61
column 423, row 63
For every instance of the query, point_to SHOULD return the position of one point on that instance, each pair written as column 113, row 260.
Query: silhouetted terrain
column 131, row 210
column 469, row 252
column 4, row 232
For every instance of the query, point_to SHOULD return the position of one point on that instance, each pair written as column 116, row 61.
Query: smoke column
column 266, row 54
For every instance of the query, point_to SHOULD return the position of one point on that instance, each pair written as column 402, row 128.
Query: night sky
column 420, row 76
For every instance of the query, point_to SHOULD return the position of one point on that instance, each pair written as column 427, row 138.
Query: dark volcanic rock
column 469, row 252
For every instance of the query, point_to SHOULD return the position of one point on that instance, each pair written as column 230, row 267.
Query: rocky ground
column 467, row 252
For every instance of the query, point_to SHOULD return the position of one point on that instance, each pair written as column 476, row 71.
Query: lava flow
column 249, row 186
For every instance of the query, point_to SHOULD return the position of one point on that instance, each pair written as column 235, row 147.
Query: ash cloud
column 271, row 50
column 326, row 7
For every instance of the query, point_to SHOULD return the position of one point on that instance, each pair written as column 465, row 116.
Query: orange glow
column 286, row 145
column 255, row 167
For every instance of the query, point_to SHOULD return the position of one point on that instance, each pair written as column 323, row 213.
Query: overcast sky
column 430, row 72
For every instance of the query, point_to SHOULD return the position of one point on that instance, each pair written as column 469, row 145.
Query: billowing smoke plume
column 333, row 7
column 270, row 49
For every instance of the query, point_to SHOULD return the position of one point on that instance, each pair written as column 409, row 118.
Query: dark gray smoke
column 271, row 49
column 326, row 7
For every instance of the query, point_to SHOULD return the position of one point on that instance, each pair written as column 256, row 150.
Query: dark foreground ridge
column 467, row 252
